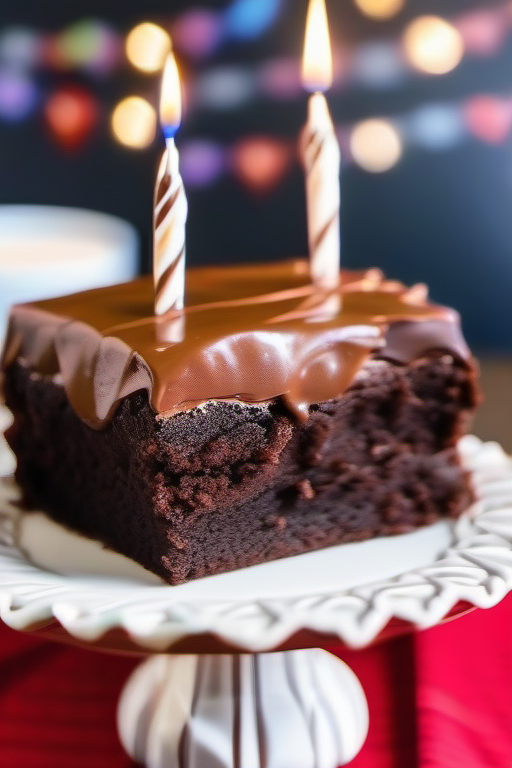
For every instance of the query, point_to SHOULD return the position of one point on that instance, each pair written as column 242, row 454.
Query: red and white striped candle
column 321, row 153
column 170, row 206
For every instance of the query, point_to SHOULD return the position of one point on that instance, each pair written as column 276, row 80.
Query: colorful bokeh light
column 133, row 122
column 380, row 9
column 18, row 95
column 146, row 47
column 90, row 44
column 202, row 162
column 248, row 19
column 483, row 31
column 281, row 78
column 260, row 162
column 377, row 64
column 433, row 45
column 198, row 33
column 20, row 47
column 489, row 118
column 437, row 127
column 225, row 87
column 71, row 113
column 375, row 145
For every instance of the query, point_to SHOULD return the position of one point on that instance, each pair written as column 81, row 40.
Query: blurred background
column 422, row 102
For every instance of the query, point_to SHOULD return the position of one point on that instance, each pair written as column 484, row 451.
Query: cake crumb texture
column 230, row 485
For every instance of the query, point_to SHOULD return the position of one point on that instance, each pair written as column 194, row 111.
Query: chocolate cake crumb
column 229, row 485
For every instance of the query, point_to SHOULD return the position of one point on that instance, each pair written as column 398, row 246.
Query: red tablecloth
column 439, row 699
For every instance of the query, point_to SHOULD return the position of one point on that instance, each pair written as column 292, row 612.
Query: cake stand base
column 297, row 709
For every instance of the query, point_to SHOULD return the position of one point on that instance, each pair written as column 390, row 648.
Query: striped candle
column 170, row 216
column 321, row 154
column 170, row 213
column 321, row 159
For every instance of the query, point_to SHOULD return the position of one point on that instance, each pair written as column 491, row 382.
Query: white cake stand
column 233, row 678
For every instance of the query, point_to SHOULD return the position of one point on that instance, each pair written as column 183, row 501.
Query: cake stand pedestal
column 295, row 709
column 233, row 678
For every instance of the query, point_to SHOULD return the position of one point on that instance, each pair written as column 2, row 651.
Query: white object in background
column 299, row 709
column 49, row 251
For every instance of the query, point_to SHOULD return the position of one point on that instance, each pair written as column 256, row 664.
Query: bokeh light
column 489, row 118
column 377, row 64
column 433, row 45
column 146, row 47
column 247, row 19
column 20, row 47
column 260, row 162
column 375, row 145
column 197, row 33
column 225, row 87
column 483, row 31
column 71, row 112
column 18, row 95
column 280, row 78
column 134, row 122
column 437, row 126
column 88, row 43
column 380, row 9
column 202, row 162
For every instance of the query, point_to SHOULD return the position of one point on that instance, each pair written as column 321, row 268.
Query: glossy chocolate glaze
column 252, row 333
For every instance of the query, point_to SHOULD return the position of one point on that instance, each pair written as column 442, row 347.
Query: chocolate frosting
column 250, row 333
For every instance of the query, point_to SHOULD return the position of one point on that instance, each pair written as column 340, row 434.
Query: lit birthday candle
column 170, row 209
column 321, row 153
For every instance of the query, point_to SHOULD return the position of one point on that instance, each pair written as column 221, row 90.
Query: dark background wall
column 442, row 217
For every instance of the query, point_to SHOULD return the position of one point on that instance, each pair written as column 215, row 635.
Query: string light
column 134, row 122
column 433, row 45
column 147, row 45
column 380, row 9
column 375, row 145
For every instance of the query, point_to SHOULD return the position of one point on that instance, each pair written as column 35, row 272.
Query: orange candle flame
column 170, row 98
column 317, row 70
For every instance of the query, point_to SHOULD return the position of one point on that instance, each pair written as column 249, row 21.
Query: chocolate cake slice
column 273, row 428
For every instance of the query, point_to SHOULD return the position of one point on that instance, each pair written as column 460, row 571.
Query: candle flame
column 317, row 60
column 170, row 98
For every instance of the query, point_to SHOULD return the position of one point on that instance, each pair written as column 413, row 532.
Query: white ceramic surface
column 53, row 548
column 48, row 251
column 299, row 709
column 257, row 611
